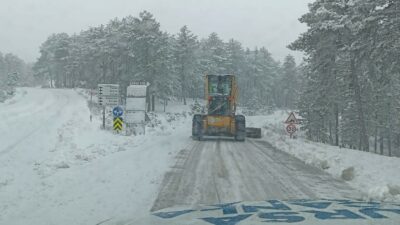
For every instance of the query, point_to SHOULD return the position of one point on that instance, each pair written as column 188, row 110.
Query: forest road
column 223, row 171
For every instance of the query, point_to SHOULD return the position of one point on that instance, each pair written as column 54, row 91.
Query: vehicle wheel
column 197, row 127
column 240, row 122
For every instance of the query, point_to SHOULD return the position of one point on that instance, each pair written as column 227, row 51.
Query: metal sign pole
column 104, row 117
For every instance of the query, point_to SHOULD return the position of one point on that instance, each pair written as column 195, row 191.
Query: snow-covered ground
column 57, row 167
column 376, row 176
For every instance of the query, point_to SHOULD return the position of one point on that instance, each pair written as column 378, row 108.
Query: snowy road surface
column 222, row 171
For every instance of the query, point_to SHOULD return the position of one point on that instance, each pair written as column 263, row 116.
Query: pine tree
column 351, row 53
column 290, row 82
column 185, row 48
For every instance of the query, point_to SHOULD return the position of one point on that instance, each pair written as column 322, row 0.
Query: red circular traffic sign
column 291, row 128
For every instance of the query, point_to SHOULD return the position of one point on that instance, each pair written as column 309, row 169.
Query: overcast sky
column 25, row 24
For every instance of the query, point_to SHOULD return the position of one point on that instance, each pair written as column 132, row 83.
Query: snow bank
column 9, row 100
column 57, row 167
column 376, row 176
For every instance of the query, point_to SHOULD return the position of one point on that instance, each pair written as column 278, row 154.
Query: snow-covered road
column 22, row 120
column 222, row 171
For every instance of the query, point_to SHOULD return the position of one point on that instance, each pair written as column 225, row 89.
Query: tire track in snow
column 223, row 171
column 37, row 129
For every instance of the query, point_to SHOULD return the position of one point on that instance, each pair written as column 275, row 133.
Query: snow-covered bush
column 154, row 121
column 197, row 108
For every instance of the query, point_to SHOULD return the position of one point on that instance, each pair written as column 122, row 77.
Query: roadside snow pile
column 376, row 176
column 58, row 167
column 162, row 124
column 11, row 99
column 3, row 96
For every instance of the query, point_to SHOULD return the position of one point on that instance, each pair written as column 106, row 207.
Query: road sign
column 118, row 111
column 118, row 123
column 108, row 89
column 292, row 119
column 108, row 94
column 136, row 103
column 291, row 128
column 135, row 117
column 136, row 91
column 109, row 100
column 145, row 83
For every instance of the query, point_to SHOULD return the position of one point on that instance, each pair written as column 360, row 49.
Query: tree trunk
column 376, row 140
column 148, row 99
column 103, row 67
column 330, row 133
column 381, row 143
column 390, row 142
column 376, row 133
column 183, row 80
column 51, row 82
column 389, row 132
column 65, row 80
column 336, row 124
column 398, row 144
column 357, row 90
column 153, row 103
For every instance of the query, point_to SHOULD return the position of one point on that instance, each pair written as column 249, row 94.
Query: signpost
column 108, row 101
column 136, row 95
column 292, row 119
column 108, row 95
column 291, row 122
column 291, row 129
column 118, row 121
column 118, row 111
column 117, row 124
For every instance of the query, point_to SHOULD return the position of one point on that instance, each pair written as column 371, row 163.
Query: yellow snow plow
column 221, row 94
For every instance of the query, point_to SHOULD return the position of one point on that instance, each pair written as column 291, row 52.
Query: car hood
column 301, row 212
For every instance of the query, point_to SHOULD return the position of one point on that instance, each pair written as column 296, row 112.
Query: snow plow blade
column 253, row 132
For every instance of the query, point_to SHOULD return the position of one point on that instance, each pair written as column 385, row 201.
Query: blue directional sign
column 118, row 111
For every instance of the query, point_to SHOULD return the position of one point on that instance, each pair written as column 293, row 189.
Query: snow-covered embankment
column 376, row 176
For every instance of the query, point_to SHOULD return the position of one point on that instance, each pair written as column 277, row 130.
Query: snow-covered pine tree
column 214, row 55
column 289, row 82
column 352, row 63
column 185, row 49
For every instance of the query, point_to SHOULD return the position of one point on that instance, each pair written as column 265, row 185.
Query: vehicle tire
column 240, row 122
column 197, row 127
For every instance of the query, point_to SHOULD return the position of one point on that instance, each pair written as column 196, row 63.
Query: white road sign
column 136, row 91
column 292, row 119
column 108, row 94
column 135, row 117
column 108, row 100
column 108, row 89
column 136, row 103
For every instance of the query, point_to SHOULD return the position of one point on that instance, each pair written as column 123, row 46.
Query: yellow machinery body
column 222, row 125
column 221, row 94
